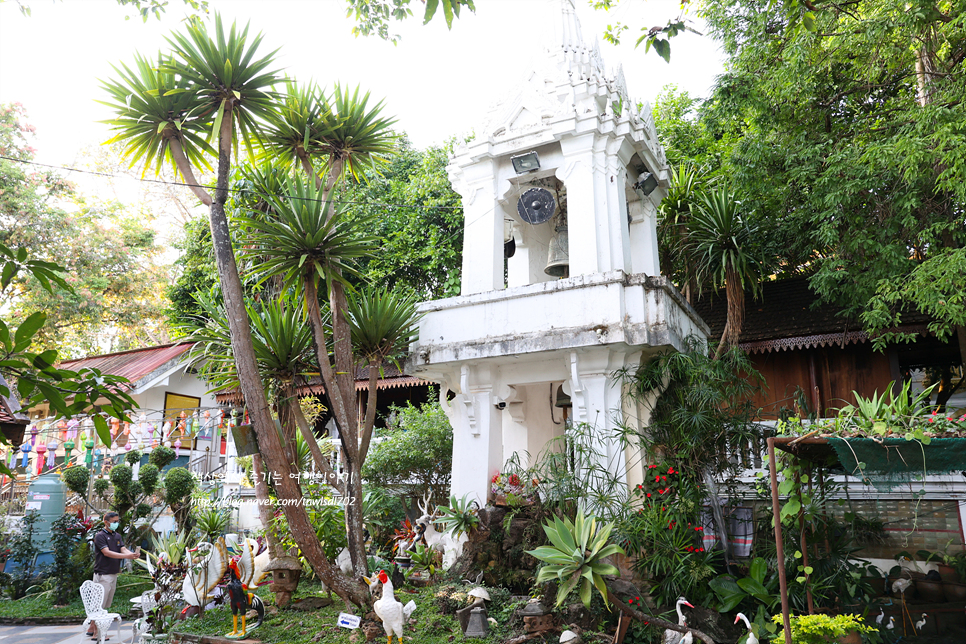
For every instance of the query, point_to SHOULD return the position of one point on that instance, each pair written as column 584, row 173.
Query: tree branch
column 184, row 167
column 655, row 621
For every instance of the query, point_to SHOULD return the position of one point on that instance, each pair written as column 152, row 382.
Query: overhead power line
column 235, row 190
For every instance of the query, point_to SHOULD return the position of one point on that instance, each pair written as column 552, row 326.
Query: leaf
column 103, row 431
column 663, row 49
column 27, row 330
column 791, row 508
column 752, row 587
column 431, row 6
column 808, row 21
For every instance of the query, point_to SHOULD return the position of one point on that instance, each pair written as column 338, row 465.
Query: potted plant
column 821, row 629
column 521, row 489
column 424, row 563
column 168, row 578
column 928, row 586
column 953, row 590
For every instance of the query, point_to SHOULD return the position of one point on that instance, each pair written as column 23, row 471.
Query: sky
column 438, row 83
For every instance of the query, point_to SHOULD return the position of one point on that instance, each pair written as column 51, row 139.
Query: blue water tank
column 47, row 495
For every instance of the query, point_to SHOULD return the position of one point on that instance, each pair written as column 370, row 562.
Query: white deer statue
column 444, row 542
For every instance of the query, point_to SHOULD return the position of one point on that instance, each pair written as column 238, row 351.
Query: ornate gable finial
column 569, row 36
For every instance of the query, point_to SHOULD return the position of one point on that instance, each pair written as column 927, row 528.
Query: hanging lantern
column 41, row 450
column 177, row 448
column 68, row 448
column 89, row 446
column 25, row 448
column 127, row 447
column 33, row 435
column 72, row 425
column 97, row 457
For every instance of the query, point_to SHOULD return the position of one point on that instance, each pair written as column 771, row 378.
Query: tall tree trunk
column 349, row 590
column 264, row 501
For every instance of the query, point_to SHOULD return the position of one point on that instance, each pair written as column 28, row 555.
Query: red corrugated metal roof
column 133, row 365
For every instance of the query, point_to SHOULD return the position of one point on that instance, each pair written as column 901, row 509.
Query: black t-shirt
column 104, row 565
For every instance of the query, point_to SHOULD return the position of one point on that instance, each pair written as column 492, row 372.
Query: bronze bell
column 558, row 258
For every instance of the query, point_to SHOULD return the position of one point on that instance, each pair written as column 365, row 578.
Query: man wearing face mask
column 109, row 550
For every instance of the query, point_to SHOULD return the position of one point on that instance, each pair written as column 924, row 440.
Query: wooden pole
column 782, row 583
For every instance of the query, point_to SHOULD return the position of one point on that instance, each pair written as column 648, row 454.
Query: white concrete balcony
column 564, row 315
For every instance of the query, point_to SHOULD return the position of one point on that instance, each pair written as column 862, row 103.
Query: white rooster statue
column 390, row 610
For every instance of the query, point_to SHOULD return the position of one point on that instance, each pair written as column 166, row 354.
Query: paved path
column 60, row 634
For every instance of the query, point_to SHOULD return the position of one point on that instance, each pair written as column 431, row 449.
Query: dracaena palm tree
column 722, row 242
column 310, row 252
column 231, row 91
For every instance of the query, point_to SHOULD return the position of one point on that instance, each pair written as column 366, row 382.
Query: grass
column 39, row 606
column 297, row 627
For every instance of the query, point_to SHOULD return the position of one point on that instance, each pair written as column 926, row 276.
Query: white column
column 477, row 435
column 616, row 213
column 598, row 403
column 643, row 238
column 482, row 228
column 586, row 236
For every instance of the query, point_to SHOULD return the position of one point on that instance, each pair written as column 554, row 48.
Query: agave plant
column 460, row 517
column 576, row 556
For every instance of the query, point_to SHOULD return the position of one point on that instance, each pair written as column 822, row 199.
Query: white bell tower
column 587, row 157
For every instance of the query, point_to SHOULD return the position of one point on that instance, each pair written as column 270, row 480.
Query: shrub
column 161, row 456
column 133, row 458
column 76, row 479
column 821, row 629
column 148, row 477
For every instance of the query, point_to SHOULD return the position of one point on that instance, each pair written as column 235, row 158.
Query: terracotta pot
column 948, row 573
column 499, row 500
column 954, row 592
column 930, row 591
column 852, row 637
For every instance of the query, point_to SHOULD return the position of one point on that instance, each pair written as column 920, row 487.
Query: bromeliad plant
column 576, row 556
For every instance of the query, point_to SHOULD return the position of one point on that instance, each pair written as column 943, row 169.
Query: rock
column 719, row 627
column 354, row 638
column 271, row 610
column 372, row 630
column 569, row 637
column 579, row 615
column 311, row 603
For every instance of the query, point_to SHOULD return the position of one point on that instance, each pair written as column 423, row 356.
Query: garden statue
column 752, row 638
column 390, row 610
column 240, row 601
column 465, row 615
column 286, row 571
column 202, row 578
column 674, row 637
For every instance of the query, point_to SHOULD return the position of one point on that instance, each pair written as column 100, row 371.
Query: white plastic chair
column 140, row 625
column 92, row 594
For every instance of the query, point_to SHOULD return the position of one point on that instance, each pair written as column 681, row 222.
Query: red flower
column 699, row 528
column 931, row 419
column 701, row 549
column 637, row 599
column 648, row 495
column 514, row 479
column 496, row 477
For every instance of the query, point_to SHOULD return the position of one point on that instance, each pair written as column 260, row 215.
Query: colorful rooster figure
column 241, row 600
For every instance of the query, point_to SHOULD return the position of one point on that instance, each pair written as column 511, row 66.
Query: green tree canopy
column 415, row 454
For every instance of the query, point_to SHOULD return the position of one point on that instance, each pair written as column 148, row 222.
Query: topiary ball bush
column 148, row 477
column 76, row 479
column 161, row 456
column 142, row 510
column 178, row 485
column 121, row 476
column 101, row 486
column 133, row 457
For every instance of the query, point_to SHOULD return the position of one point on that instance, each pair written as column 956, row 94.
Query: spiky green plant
column 383, row 323
column 576, row 556
column 460, row 516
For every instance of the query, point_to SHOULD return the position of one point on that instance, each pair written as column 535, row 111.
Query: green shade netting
column 891, row 462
